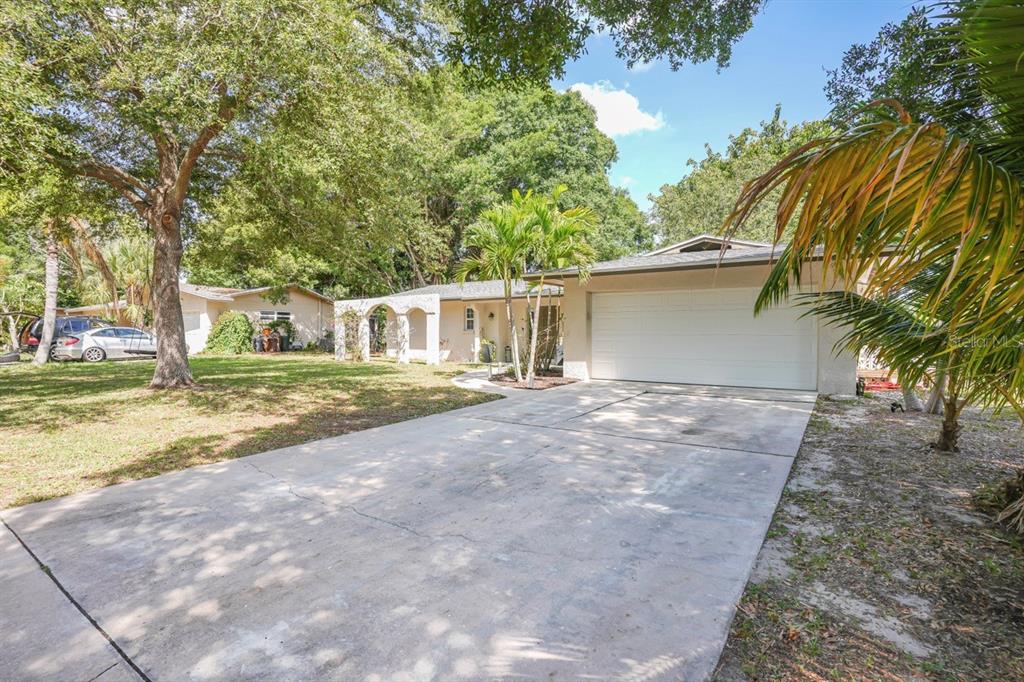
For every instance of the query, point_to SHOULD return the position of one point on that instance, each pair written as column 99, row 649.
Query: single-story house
column 440, row 322
column 309, row 312
column 684, row 314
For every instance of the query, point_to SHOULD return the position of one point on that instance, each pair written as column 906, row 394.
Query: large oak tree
column 162, row 101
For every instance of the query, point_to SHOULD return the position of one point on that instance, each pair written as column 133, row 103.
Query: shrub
column 232, row 333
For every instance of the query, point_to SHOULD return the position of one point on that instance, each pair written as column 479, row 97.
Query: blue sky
column 660, row 118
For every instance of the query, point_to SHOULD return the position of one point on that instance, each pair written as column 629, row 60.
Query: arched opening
column 348, row 348
column 384, row 331
column 417, row 334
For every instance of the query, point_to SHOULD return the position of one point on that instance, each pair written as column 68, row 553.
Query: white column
column 433, row 339
column 403, row 338
column 364, row 338
column 339, row 335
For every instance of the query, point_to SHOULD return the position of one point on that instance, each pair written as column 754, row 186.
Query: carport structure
column 414, row 318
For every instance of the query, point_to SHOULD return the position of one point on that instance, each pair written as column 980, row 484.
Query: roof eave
column 698, row 265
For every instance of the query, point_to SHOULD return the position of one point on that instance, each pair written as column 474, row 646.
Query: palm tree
column 52, row 279
column 121, row 269
column 500, row 242
column 558, row 239
column 891, row 198
column 917, row 343
column 82, row 237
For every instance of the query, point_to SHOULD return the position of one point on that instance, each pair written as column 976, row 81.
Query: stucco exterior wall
column 199, row 319
column 459, row 345
column 836, row 373
column 310, row 315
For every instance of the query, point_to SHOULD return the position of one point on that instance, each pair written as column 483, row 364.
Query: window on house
column 470, row 319
column 272, row 315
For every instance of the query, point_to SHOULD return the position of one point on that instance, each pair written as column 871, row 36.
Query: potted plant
column 285, row 329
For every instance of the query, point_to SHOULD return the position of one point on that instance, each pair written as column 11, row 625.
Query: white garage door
column 702, row 336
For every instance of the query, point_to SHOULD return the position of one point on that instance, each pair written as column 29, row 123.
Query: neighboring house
column 309, row 312
column 683, row 313
column 441, row 322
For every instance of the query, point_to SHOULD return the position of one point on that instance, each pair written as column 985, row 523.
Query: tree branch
column 228, row 154
column 130, row 187
column 225, row 112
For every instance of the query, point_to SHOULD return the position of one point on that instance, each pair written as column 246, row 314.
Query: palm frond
column 892, row 204
column 890, row 198
column 991, row 35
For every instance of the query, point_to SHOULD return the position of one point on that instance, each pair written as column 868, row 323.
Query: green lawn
column 70, row 427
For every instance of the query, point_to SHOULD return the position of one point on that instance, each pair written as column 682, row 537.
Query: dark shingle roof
column 492, row 288
column 674, row 261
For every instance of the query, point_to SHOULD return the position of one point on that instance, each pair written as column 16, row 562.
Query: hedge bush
column 232, row 333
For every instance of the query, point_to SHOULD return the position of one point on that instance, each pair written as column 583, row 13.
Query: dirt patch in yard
column 877, row 565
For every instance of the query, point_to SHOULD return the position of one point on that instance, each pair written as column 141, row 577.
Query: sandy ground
column 877, row 565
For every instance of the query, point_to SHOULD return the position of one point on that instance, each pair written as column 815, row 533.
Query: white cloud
column 642, row 67
column 626, row 181
column 618, row 112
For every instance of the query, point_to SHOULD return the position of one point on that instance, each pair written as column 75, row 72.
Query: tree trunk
column 935, row 399
column 950, row 434
column 911, row 402
column 50, row 305
column 545, row 362
column 531, row 371
column 12, row 330
column 172, row 369
column 513, row 335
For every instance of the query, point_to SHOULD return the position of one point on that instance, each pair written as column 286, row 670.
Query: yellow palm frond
column 889, row 198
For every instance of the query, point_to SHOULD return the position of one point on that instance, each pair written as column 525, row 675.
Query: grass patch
column 70, row 427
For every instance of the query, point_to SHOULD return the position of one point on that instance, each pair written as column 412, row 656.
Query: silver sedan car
column 108, row 343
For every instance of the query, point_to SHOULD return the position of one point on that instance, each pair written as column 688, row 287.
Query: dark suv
column 64, row 326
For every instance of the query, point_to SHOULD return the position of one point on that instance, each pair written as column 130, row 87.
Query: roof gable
column 705, row 242
column 230, row 294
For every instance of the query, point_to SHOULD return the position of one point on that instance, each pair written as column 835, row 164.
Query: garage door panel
column 701, row 336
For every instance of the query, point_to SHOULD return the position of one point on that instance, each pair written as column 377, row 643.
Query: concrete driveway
column 599, row 531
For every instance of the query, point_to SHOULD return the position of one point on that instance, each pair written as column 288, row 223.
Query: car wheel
column 93, row 354
column 53, row 354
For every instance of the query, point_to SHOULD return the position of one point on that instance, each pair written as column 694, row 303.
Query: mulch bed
column 542, row 381
column 877, row 565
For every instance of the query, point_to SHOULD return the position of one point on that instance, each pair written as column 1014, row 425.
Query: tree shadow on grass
column 367, row 409
column 52, row 398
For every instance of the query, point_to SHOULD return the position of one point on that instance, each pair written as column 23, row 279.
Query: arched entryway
column 417, row 334
column 402, row 327
column 385, row 341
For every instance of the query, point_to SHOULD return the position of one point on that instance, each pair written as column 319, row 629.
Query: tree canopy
column 915, row 62
column 701, row 201
column 292, row 115
column 534, row 39
column 453, row 149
